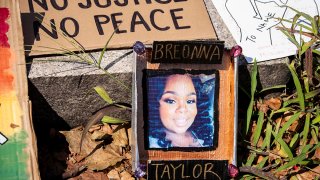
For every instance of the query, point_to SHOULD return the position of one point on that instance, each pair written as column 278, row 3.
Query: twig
column 258, row 172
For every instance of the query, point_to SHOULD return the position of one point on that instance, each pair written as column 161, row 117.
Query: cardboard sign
column 18, row 145
column 91, row 23
column 195, row 169
column 197, row 52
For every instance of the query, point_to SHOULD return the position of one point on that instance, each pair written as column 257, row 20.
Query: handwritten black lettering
column 85, row 6
column 74, row 23
column 163, row 1
column 175, row 19
column 251, row 38
column 116, row 23
column 153, row 23
column 98, row 4
column 136, row 20
column 42, row 3
column 37, row 26
column 99, row 20
column 118, row 3
column 59, row 7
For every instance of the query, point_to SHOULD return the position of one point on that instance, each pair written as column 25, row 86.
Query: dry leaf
column 91, row 176
column 94, row 128
column 309, row 174
column 99, row 157
column 120, row 138
column 103, row 158
column 113, row 174
column 73, row 138
column 317, row 154
column 273, row 103
column 125, row 175
column 96, row 135
column 262, row 107
column 129, row 132
column 106, row 128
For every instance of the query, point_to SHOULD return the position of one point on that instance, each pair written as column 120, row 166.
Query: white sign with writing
column 92, row 22
column 253, row 25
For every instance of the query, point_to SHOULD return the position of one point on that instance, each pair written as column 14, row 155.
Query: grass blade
column 267, row 139
column 298, row 87
column 273, row 87
column 258, row 129
column 263, row 162
column 253, row 90
column 112, row 120
column 284, row 147
column 316, row 120
column 250, row 159
column 294, row 140
column 103, row 94
column 314, row 136
column 306, row 128
column 287, row 125
column 293, row 162
column 105, row 48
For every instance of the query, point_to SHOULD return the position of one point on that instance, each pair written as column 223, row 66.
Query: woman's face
column 178, row 104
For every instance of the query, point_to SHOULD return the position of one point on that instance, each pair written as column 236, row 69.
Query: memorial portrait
column 180, row 109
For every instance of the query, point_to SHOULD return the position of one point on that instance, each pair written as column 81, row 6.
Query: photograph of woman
column 180, row 108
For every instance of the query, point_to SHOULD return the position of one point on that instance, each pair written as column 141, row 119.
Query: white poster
column 253, row 25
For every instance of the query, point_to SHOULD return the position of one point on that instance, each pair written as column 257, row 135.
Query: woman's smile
column 178, row 107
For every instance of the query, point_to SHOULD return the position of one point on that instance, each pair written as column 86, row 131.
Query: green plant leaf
column 307, row 16
column 305, row 131
column 314, row 136
column 105, row 48
column 257, row 132
column 294, row 140
column 112, row 120
column 253, row 90
column 273, row 87
column 293, row 162
column 267, row 139
column 103, row 94
column 297, row 24
column 263, row 162
column 294, row 21
column 298, row 86
column 284, row 147
column 291, row 38
column 307, row 45
column 287, row 125
column 316, row 51
column 250, row 159
column 308, row 95
column 282, row 110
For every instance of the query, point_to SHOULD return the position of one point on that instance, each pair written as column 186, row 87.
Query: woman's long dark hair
column 202, row 127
